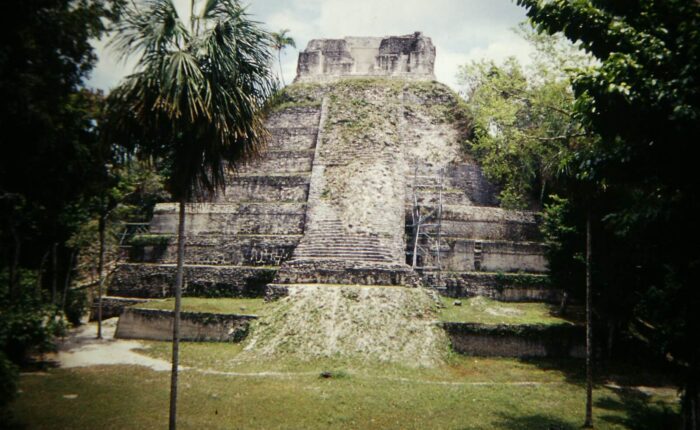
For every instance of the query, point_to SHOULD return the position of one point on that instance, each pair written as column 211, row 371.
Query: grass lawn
column 485, row 311
column 465, row 393
column 247, row 306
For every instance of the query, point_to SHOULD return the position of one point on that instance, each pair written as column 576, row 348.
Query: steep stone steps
column 292, row 138
column 295, row 116
column 267, row 188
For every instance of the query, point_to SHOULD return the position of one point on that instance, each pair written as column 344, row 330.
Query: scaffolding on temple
column 426, row 218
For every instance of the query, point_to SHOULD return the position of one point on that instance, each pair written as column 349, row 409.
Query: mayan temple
column 365, row 181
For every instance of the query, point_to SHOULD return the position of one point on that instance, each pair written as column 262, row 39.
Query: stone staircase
column 330, row 241
column 235, row 243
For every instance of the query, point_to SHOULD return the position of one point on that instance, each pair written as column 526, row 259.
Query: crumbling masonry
column 332, row 199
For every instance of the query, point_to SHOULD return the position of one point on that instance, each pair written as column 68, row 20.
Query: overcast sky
column 461, row 30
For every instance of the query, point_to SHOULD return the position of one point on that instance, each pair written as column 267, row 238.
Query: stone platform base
column 277, row 291
column 156, row 324
column 345, row 272
column 505, row 287
column 561, row 340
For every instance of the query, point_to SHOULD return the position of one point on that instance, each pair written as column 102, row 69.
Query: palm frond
column 198, row 96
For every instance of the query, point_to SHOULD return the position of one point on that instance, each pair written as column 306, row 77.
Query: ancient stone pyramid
column 365, row 181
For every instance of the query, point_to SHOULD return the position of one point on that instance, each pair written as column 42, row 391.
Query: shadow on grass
column 623, row 373
column 629, row 406
column 8, row 421
column 641, row 412
column 533, row 422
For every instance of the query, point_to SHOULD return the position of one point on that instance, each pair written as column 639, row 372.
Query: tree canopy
column 643, row 100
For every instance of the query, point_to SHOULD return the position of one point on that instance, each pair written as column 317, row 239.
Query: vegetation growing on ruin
column 521, row 279
column 150, row 239
column 241, row 306
column 485, row 311
column 298, row 96
column 360, row 108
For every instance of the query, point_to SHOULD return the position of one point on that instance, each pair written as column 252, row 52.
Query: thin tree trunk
column 589, row 328
column 14, row 266
column 101, row 270
column 66, row 283
column 279, row 60
column 54, row 274
column 612, row 328
column 176, row 316
column 690, row 409
column 564, row 303
column 40, row 273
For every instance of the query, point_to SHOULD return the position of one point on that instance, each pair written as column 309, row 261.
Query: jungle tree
column 195, row 99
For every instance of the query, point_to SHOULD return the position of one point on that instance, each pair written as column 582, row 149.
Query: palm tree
column 279, row 42
column 195, row 100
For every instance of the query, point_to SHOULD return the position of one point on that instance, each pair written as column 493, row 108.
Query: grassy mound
column 482, row 310
column 390, row 324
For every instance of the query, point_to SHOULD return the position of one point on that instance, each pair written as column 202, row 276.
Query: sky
column 461, row 30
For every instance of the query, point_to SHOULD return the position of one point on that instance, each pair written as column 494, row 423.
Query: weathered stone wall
column 213, row 249
column 231, row 219
column 516, row 341
column 498, row 286
column 157, row 280
column 459, row 254
column 409, row 57
column 153, row 324
column 112, row 307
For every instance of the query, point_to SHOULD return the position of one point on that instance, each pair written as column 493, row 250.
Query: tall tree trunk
column 691, row 405
column 54, row 272
column 14, row 265
column 564, row 303
column 588, row 423
column 66, row 283
column 101, row 272
column 279, row 60
column 612, row 328
column 176, row 315
column 40, row 274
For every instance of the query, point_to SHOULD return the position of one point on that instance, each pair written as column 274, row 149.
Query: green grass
column 484, row 311
column 247, row 306
column 466, row 393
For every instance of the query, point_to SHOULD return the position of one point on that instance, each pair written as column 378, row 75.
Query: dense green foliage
column 53, row 159
column 197, row 95
column 524, row 129
column 643, row 100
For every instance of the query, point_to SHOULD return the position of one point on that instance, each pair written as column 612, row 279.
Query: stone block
column 516, row 341
column 156, row 324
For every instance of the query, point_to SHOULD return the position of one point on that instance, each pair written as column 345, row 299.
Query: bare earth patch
column 81, row 349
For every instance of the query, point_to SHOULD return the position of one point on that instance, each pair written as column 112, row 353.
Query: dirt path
column 80, row 348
